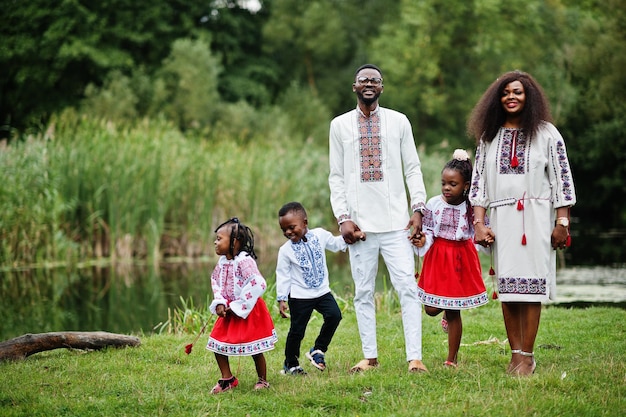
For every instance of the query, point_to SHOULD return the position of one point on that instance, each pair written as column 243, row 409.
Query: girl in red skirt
column 244, row 326
column 451, row 278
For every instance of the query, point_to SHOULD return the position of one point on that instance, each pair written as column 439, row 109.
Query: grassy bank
column 580, row 354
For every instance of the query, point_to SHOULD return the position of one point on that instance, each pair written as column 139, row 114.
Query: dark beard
column 367, row 101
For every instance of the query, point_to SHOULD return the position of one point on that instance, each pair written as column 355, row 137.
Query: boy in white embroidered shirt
column 302, row 285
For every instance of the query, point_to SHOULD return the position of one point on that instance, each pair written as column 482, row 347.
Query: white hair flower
column 460, row 155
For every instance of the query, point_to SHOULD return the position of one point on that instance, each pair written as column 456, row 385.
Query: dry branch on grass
column 29, row 344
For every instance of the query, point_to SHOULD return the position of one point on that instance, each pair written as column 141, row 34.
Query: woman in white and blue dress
column 522, row 176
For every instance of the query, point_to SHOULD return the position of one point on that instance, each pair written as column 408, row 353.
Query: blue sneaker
column 294, row 371
column 316, row 357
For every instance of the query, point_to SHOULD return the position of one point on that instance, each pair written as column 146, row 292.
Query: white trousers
column 399, row 258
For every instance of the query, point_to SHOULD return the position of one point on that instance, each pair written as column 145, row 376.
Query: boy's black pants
column 300, row 310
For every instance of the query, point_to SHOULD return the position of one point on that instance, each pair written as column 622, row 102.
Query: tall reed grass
column 92, row 189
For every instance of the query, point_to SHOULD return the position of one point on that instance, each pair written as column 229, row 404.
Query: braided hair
column 461, row 163
column 239, row 232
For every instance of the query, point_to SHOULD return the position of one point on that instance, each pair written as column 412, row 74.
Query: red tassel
column 491, row 271
column 524, row 239
column 494, row 296
column 188, row 348
column 514, row 162
column 419, row 266
column 520, row 205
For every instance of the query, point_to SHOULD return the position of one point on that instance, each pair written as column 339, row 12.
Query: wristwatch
column 563, row 221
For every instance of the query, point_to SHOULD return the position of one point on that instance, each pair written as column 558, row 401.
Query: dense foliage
column 222, row 70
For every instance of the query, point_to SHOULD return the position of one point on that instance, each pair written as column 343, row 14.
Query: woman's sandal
column 449, row 364
column 510, row 368
column 531, row 355
column 515, row 370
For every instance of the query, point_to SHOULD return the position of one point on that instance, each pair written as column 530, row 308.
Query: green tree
column 288, row 68
column 440, row 57
column 190, row 76
column 116, row 100
column 320, row 43
column 51, row 52
column 237, row 38
column 596, row 127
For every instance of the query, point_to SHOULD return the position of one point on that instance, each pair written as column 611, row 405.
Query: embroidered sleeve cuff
column 343, row 218
column 281, row 298
column 418, row 207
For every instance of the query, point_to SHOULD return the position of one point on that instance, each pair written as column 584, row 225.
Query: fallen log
column 23, row 346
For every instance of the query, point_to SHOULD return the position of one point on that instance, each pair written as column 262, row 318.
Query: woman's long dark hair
column 488, row 115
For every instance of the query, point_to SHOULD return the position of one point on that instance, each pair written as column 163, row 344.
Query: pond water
column 139, row 298
column 591, row 285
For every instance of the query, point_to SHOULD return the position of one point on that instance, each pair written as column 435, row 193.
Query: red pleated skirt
column 451, row 277
column 235, row 336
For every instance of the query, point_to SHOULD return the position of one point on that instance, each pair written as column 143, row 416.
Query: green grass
column 580, row 355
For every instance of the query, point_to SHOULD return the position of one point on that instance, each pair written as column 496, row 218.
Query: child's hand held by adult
column 415, row 224
column 350, row 232
column 484, row 236
column 418, row 240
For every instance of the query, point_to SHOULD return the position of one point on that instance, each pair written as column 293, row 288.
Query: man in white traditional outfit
column 372, row 158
